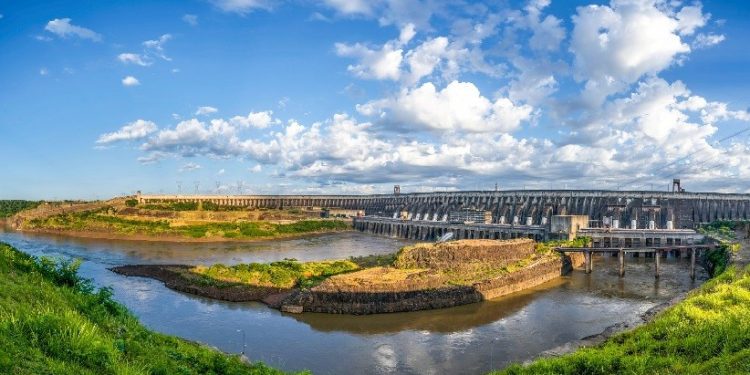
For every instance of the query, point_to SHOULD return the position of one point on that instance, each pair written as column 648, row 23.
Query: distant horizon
column 353, row 97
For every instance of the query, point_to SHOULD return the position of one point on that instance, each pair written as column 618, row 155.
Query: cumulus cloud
column 63, row 28
column 133, row 58
column 190, row 19
column 206, row 110
column 364, row 7
column 43, row 72
column 691, row 18
column 135, row 130
column 602, row 114
column 189, row 167
column 156, row 46
column 258, row 120
column 547, row 31
column 382, row 63
column 130, row 81
column 242, row 7
column 707, row 40
column 458, row 107
column 616, row 45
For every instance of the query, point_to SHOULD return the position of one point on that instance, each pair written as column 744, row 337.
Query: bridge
column 656, row 252
column 618, row 209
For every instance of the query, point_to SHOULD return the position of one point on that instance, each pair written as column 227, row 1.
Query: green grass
column 9, row 208
column 100, row 221
column 54, row 322
column 722, row 230
column 282, row 274
column 707, row 333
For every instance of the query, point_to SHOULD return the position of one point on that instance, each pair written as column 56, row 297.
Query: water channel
column 469, row 339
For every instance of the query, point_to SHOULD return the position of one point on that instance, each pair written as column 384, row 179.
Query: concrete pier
column 656, row 252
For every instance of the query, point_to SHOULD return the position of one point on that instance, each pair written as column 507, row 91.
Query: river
column 469, row 339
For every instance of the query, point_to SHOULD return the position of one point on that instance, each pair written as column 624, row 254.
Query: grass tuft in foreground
column 707, row 333
column 54, row 322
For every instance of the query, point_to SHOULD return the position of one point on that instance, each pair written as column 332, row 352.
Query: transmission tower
column 197, row 185
column 179, row 187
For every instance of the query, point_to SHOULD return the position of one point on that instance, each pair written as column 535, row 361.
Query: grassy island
column 418, row 277
column 54, row 322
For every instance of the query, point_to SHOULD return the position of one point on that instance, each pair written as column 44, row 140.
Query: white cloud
column 130, row 81
column 349, row 7
column 547, row 33
column 616, row 45
column 193, row 137
column 206, row 110
column 43, row 71
column 707, row 40
column 133, row 58
column 189, row 167
column 256, row 169
column 135, row 130
column 221, row 172
column 458, row 107
column 258, row 120
column 691, row 18
column 64, row 29
column 242, row 7
column 156, row 46
column 423, row 59
column 190, row 19
column 378, row 64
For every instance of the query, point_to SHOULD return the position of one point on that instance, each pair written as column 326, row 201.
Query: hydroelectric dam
column 503, row 214
column 683, row 209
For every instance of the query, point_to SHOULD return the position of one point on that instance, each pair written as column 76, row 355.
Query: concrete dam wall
column 525, row 207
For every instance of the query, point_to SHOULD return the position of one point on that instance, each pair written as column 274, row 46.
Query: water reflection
column 467, row 339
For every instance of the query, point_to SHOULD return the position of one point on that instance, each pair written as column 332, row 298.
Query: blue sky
column 261, row 96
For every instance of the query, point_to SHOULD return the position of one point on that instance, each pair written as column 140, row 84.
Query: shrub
column 131, row 202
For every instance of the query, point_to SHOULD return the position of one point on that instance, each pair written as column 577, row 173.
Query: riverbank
column 420, row 277
column 106, row 223
column 176, row 238
column 52, row 321
column 703, row 331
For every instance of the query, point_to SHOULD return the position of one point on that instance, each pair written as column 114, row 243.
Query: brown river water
column 471, row 339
